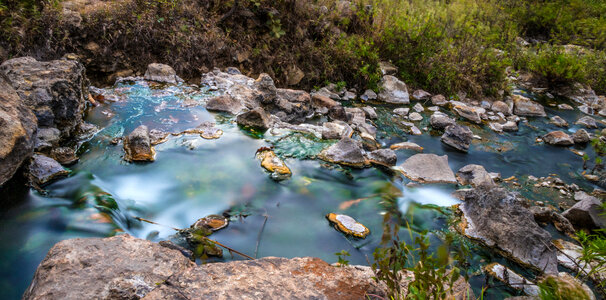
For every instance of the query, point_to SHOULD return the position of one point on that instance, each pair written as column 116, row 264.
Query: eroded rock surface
column 161, row 73
column 428, row 168
column 458, row 137
column 525, row 107
column 137, row 145
column 393, row 90
column 346, row 152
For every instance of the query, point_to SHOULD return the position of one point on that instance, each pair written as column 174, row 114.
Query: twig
column 259, row 236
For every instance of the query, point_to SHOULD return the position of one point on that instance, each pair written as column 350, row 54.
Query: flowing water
column 193, row 177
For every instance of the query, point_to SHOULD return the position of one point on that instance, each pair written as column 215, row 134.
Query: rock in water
column 428, row 168
column 587, row 121
column 211, row 222
column 475, row 175
column 406, row 146
column 581, row 136
column 161, row 73
column 256, row 118
column 272, row 163
column 558, row 138
column 470, row 113
column 346, row 152
column 17, row 131
column 348, row 225
column 440, row 121
column 439, row 100
column 558, row 121
column 526, row 107
column 393, row 90
column 43, row 170
column 206, row 130
column 224, row 103
column 458, row 137
column 497, row 218
column 64, row 155
column 500, row 106
column 587, row 214
column 137, row 145
column 385, row 157
column 120, row 267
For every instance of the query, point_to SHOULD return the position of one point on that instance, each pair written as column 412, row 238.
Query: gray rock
column 369, row 95
column 393, row 90
column 428, row 168
column 43, row 169
column 137, row 145
column 120, row 267
column 319, row 101
column 586, row 214
column 17, row 131
column 385, row 157
column 548, row 215
column 256, row 118
column 581, row 136
column 370, row 112
column 439, row 100
column 401, row 111
column 470, row 113
column 64, row 155
column 415, row 117
column 338, row 113
column 558, row 121
column 564, row 106
column 348, row 96
column 266, row 88
column 420, row 95
column 295, row 105
column 558, row 138
column 346, row 152
column 46, row 138
column 458, row 137
column 526, row 107
column 440, row 121
column 326, row 92
column 500, row 106
column 161, row 73
column 510, row 126
column 418, row 108
column 498, row 219
column 474, row 175
column 587, row 121
column 414, row 130
column 355, row 115
column 336, row 130
column 406, row 146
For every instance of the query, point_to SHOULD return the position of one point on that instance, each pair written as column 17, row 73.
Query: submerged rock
column 386, row 157
column 428, row 168
column 457, row 136
column 137, row 145
column 348, row 225
column 406, row 146
column 474, row 175
column 43, row 169
column 498, row 219
column 526, row 107
column 256, row 118
column 558, row 138
column 587, row 214
column 272, row 163
column 346, row 152
column 393, row 90
column 161, row 73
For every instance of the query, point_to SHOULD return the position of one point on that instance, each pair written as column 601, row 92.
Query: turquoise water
column 193, row 177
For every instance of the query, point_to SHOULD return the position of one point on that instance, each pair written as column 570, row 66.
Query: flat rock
column 274, row 164
column 500, row 106
column 525, row 107
column 406, row 146
column 474, row 175
column 64, row 155
column 401, row 111
column 470, row 113
column 458, row 137
column 393, row 91
column 386, row 157
column 224, row 103
column 558, row 121
column 348, row 225
column 43, row 169
column 587, row 121
column 558, row 138
column 137, row 145
column 256, row 118
column 46, row 138
column 512, row 279
column 161, row 73
column 346, row 152
column 428, row 168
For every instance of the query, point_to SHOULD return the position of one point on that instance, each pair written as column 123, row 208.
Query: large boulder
column 498, row 219
column 346, row 152
column 17, row 131
column 54, row 90
column 224, row 103
column 558, row 138
column 137, row 145
column 458, row 137
column 291, row 106
column 428, row 168
column 393, row 90
column 526, row 107
column 587, row 213
column 161, row 73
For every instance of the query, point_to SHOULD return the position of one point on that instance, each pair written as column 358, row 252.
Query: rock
column 418, row 108
column 558, row 138
column 496, row 127
column 211, row 222
column 428, row 168
column 587, row 121
column 468, row 112
column 327, row 92
column 420, row 95
column 440, row 121
column 547, row 215
column 294, row 75
column 120, row 267
column 43, row 169
column 510, row 126
column 568, row 287
column 406, row 146
column 294, row 105
column 393, row 90
column 157, row 137
column 337, row 113
column 415, row 117
column 512, row 279
column 569, row 256
column 387, row 68
column 206, row 130
column 46, row 138
column 401, row 111
column 272, row 163
column 17, row 131
column 439, row 100
column 581, row 136
column 557, row 121
column 500, row 106
column 564, row 106
column 475, row 175
column 385, row 157
column 369, row 112
column 586, row 214
column 526, row 107
column 498, row 219
column 355, row 115
column 161, row 73
column 458, row 137
column 224, row 103
column 348, row 225
column 336, row 130
column 414, row 130
column 266, row 89
column 256, row 118
column 64, row 155
column 137, row 145
column 346, row 152
column 369, row 95
column 54, row 90
column 246, row 95
column 349, row 96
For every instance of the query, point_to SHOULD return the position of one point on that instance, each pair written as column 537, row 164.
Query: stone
column 393, row 91
column 406, row 146
column 458, row 137
column 581, row 137
column 439, row 100
column 349, row 96
column 17, row 131
column 586, row 214
column 468, row 112
column 558, row 121
column 369, row 112
column 496, row 127
column 498, row 219
column 569, row 256
column 157, row 137
column 64, row 155
column 43, row 170
column 414, row 130
column 548, row 215
column 120, row 267
column 338, row 113
column 355, row 115
column 510, row 126
column 348, row 225
column 500, row 106
column 369, row 95
column 558, row 138
column 55, row 91
column 46, row 138
column 265, row 88
column 564, row 106
column 161, row 73
column 224, row 103
column 293, row 106
column 415, row 117
column 525, row 107
column 401, row 111
column 294, row 75
column 211, row 222
column 387, row 68
column 137, row 145
column 418, row 108
column 440, row 121
column 385, row 157
column 336, row 130
column 256, row 118
column 346, row 152
column 206, row 130
column 512, row 279
column 327, row 92
column 274, row 164
column 474, row 175
column 587, row 121
column 420, row 95
column 428, row 168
